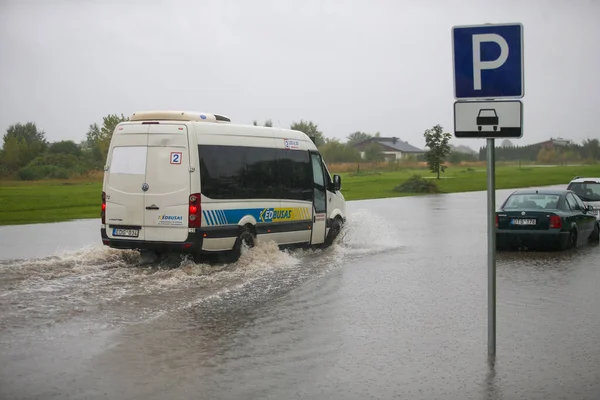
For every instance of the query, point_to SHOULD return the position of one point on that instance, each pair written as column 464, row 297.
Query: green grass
column 462, row 179
column 35, row 202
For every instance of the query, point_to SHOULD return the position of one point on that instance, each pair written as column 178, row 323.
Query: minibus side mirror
column 337, row 182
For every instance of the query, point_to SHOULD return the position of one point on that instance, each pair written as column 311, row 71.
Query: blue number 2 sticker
column 176, row 157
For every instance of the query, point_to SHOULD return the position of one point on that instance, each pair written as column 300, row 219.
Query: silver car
column 588, row 190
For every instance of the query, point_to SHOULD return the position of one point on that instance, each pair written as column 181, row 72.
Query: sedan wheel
column 595, row 236
column 573, row 239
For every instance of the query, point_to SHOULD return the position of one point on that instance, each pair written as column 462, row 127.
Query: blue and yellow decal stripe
column 261, row 215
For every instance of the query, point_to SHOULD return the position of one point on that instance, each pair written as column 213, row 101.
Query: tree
column 568, row 155
column 268, row 123
column 373, row 153
column 437, row 141
column 311, row 130
column 591, row 149
column 65, row 147
column 455, row 157
column 547, row 155
column 22, row 143
column 507, row 143
column 11, row 154
column 357, row 137
column 334, row 152
column 92, row 143
column 98, row 139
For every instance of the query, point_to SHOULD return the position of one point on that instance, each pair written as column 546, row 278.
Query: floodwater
column 396, row 309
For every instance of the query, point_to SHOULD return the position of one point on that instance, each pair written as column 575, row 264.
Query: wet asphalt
column 396, row 309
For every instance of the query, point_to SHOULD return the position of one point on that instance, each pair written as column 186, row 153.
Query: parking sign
column 488, row 61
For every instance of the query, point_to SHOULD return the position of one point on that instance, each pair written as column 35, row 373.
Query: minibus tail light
column 195, row 211
column 103, row 212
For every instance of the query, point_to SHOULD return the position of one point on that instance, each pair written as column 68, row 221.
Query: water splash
column 368, row 233
column 99, row 278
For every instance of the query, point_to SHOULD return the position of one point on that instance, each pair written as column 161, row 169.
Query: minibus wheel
column 334, row 231
column 149, row 256
column 246, row 237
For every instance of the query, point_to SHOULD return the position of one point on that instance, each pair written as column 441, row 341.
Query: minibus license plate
column 126, row 232
column 523, row 221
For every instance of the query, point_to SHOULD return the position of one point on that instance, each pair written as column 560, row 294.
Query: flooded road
column 396, row 309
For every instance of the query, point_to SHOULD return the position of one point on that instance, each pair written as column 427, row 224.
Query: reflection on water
column 42, row 240
column 396, row 309
column 492, row 390
column 73, row 283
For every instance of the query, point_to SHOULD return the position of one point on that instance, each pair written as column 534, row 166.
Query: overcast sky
column 346, row 65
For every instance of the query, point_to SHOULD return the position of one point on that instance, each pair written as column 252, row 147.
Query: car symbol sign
column 145, row 187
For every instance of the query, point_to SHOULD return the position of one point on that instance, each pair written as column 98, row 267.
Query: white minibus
column 195, row 183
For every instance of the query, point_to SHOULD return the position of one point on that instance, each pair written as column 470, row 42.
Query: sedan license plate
column 125, row 232
column 523, row 221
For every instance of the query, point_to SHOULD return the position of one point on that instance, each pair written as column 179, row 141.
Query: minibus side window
column 328, row 177
column 294, row 175
column 240, row 172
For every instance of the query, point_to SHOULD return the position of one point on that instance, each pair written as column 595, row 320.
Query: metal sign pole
column 491, row 234
column 488, row 100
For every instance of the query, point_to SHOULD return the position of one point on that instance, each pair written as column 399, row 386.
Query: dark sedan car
column 551, row 219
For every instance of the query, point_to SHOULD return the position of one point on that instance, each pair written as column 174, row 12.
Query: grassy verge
column 373, row 184
column 35, row 202
column 337, row 168
column 53, row 201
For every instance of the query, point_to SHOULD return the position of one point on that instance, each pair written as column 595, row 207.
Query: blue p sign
column 488, row 61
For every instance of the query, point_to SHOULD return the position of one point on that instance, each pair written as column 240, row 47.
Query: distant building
column 392, row 147
column 551, row 143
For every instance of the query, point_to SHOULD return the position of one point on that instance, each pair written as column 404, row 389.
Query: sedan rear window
column 532, row 201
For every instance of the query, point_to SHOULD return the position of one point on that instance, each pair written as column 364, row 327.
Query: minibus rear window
column 128, row 160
